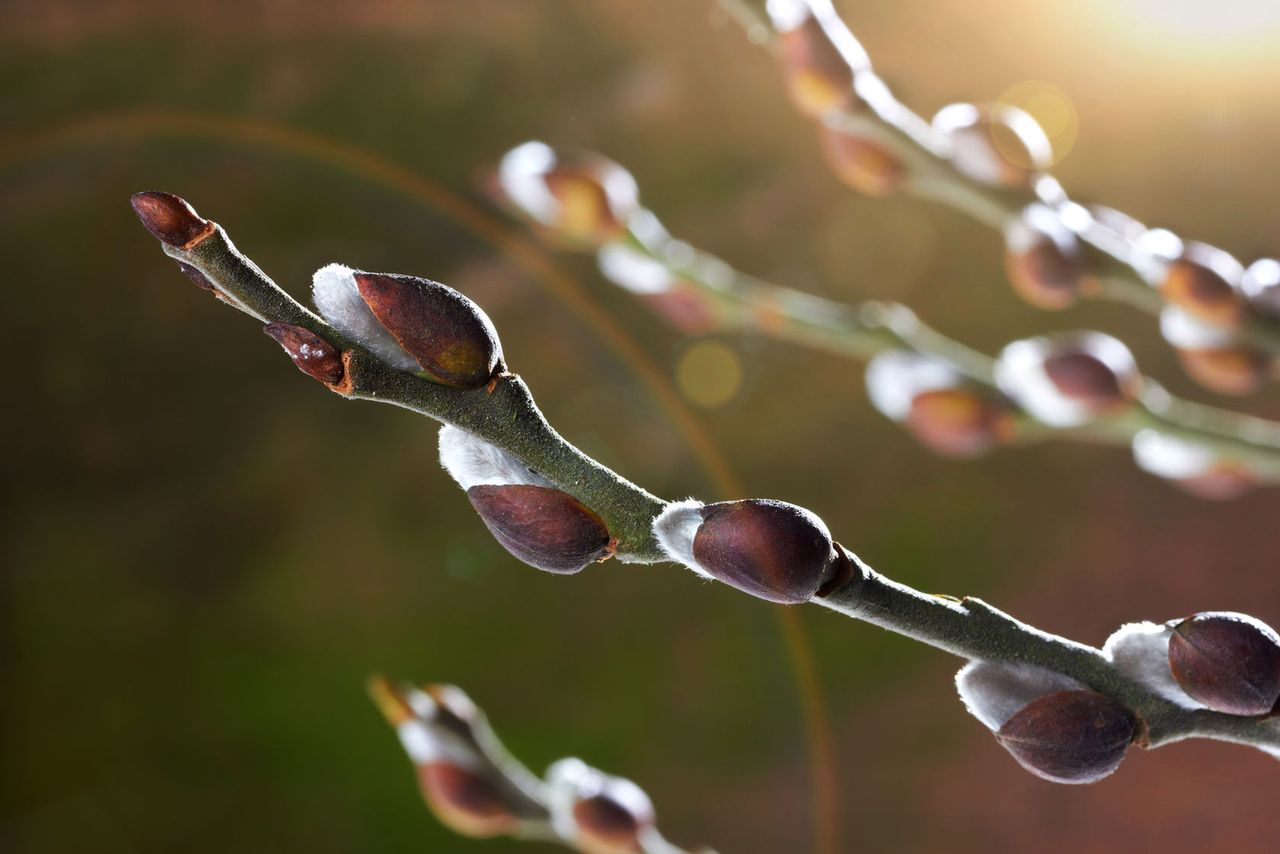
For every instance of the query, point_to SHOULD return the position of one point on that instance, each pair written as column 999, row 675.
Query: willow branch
column 930, row 171
column 505, row 416
column 476, row 787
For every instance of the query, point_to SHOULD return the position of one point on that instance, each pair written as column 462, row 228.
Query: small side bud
column 584, row 199
column 1237, row 370
column 601, row 813
column 1068, row 380
column 1192, row 467
column 313, row 355
column 1261, row 287
column 861, row 163
column 198, row 278
column 818, row 54
column 936, row 404
column 449, row 336
column 770, row 549
column 1070, row 736
column 1205, row 282
column 1229, row 662
column 1044, row 259
column 170, row 219
column 536, row 522
column 995, row 143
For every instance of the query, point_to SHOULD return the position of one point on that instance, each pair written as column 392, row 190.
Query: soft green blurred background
column 205, row 555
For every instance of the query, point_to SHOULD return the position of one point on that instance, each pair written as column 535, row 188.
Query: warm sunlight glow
column 1215, row 20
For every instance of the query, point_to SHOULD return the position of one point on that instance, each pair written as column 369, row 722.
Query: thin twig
column 931, row 173
column 507, row 417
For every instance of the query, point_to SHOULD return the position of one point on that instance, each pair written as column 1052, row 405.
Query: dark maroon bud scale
column 1069, row 736
column 770, row 549
column 449, row 335
column 542, row 526
column 1229, row 662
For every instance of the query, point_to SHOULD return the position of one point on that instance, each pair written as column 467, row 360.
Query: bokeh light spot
column 709, row 374
column 1052, row 109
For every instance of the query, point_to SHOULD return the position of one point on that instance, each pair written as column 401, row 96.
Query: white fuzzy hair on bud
column 994, row 692
column 424, row 743
column 570, row 780
column 333, row 287
column 472, row 461
column 1036, row 223
column 972, row 149
column 675, row 527
column 896, row 377
column 1170, row 457
column 1020, row 373
column 1152, row 252
column 521, row 175
column 633, row 270
column 1183, row 329
column 1141, row 652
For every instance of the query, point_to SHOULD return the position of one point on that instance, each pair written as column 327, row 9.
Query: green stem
column 508, row 418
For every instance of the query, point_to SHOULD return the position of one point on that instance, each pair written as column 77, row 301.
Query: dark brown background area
column 204, row 554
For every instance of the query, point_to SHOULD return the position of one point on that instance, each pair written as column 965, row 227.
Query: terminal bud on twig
column 819, row 56
column 861, row 163
column 1068, row 380
column 600, row 813
column 1205, row 282
column 170, row 219
column 1192, row 467
column 994, row 143
column 1044, row 259
column 936, row 404
column 1229, row 662
column 770, row 549
column 537, row 523
column 313, row 355
column 453, row 774
column 1052, row 724
column 583, row 199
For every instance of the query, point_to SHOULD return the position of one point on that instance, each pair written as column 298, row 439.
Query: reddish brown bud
column 582, row 199
column 606, row 825
column 770, row 549
column 170, row 219
column 586, row 215
column 542, row 526
column 1082, row 376
column 313, row 355
column 1226, row 370
column 957, row 422
column 1069, row 736
column 1229, row 662
column 1204, row 282
column 464, row 800
column 819, row 78
column 860, row 163
column 449, row 335
column 995, row 143
column 1044, row 261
